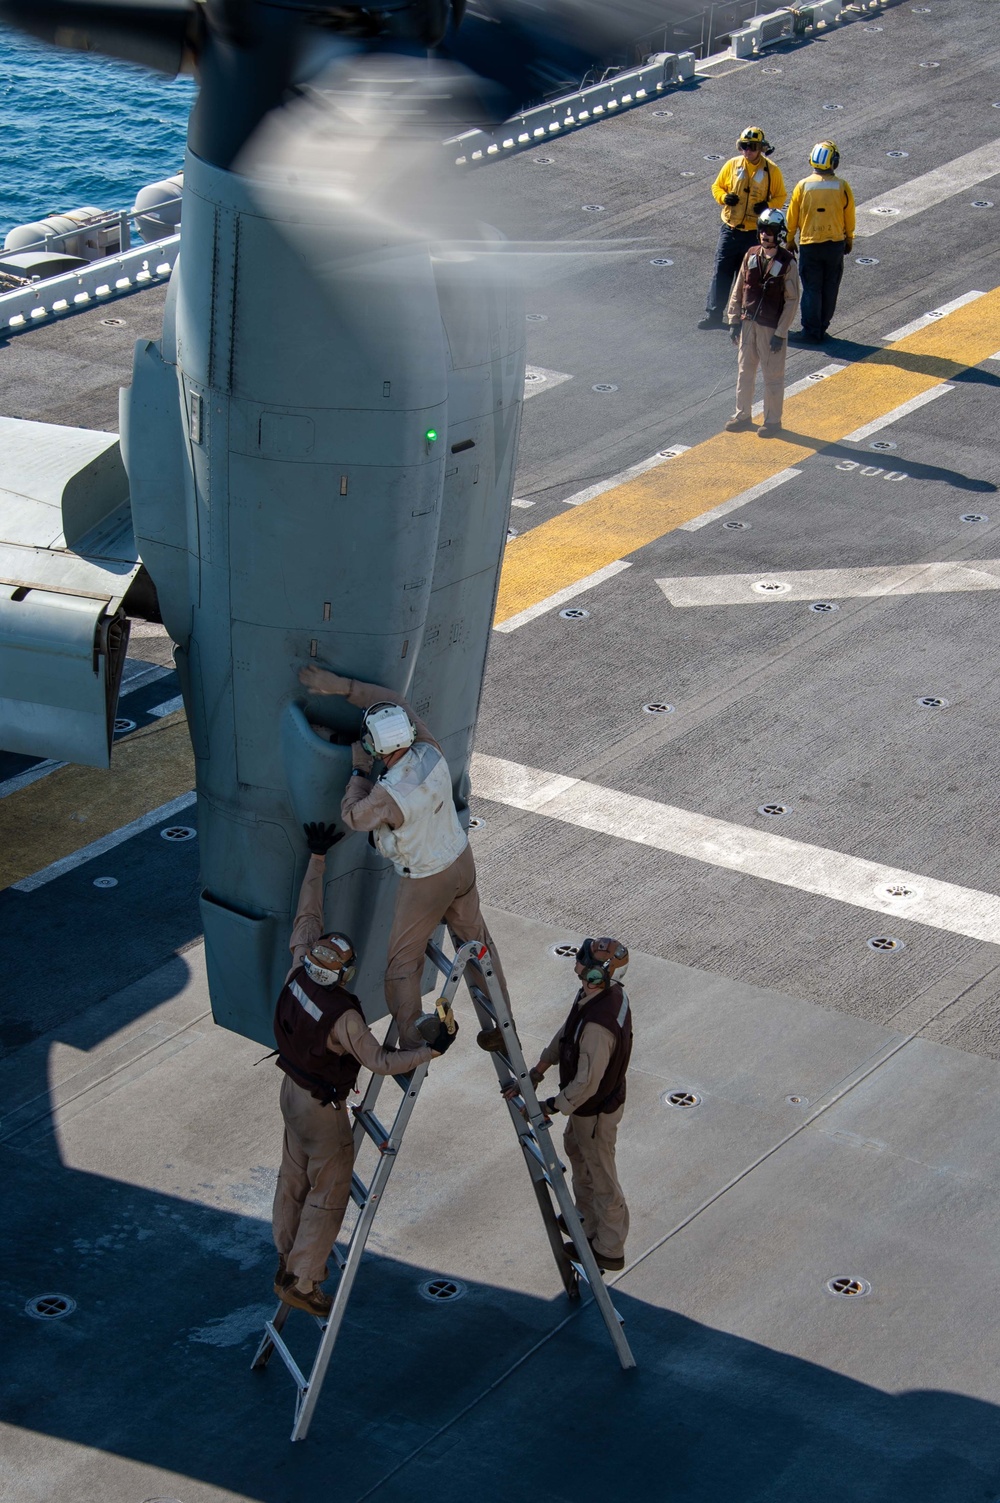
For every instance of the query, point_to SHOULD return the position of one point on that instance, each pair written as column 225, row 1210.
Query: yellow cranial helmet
column 752, row 136
column 824, row 156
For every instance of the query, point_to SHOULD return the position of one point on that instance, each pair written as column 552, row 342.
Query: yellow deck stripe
column 54, row 817
column 560, row 552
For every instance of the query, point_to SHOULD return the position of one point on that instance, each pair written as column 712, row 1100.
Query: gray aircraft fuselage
column 292, row 505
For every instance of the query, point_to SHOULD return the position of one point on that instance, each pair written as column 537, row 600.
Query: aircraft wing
column 67, row 558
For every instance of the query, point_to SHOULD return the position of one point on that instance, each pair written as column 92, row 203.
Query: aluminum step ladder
column 533, row 1130
column 573, row 1254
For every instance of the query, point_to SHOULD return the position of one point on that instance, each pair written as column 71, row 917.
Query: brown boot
column 490, row 1039
column 605, row 1263
column 314, row 1301
column 282, row 1276
column 738, row 425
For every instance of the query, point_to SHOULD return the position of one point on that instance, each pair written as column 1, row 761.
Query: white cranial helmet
column 386, row 728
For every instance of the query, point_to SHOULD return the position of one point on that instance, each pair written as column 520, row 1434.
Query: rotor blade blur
column 365, row 137
column 529, row 50
column 151, row 33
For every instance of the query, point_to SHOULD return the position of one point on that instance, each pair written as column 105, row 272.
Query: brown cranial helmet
column 604, row 960
column 330, row 960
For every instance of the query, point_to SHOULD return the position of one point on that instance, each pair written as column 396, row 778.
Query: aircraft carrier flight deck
column 741, row 709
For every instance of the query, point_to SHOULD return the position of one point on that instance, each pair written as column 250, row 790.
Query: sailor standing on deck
column 821, row 213
column 323, row 1040
column 410, row 812
column 761, row 310
column 592, row 1050
column 746, row 186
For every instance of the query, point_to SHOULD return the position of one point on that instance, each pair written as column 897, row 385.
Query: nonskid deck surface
column 846, row 1108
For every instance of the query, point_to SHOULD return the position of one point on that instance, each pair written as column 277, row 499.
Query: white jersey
column 430, row 837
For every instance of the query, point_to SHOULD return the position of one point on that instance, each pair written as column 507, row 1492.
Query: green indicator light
column 431, row 435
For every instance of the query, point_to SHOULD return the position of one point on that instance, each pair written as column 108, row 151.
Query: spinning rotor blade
column 155, row 34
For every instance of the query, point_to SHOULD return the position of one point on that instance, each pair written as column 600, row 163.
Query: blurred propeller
column 249, row 54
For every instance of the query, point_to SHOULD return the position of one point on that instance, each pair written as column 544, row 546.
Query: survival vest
column 611, row 1010
column 742, row 177
column 303, row 1017
column 430, row 837
column 764, row 286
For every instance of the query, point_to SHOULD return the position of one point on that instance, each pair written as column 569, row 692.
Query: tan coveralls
column 422, row 903
column 590, row 1143
column 755, row 348
column 317, row 1157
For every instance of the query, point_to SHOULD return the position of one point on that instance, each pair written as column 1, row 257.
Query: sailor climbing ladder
column 574, row 1257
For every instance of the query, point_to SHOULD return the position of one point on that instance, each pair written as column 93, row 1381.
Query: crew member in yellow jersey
column 746, row 186
column 821, row 213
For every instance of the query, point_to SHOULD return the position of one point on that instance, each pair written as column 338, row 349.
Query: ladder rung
column 379, row 1135
column 438, row 958
column 403, row 1081
column 286, row 1357
column 530, row 1146
column 359, row 1191
column 483, row 1000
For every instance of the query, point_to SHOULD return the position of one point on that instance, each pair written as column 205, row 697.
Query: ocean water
column 80, row 129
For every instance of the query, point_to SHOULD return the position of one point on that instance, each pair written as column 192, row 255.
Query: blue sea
column 79, row 129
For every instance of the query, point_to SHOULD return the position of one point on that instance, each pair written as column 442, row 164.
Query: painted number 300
column 872, row 469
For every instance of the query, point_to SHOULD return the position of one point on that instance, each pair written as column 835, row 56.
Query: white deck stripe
column 148, row 673
column 734, row 502
column 930, row 188
column 633, row 470
column 755, row 852
column 833, row 584
column 903, row 410
column 168, row 707
column 107, row 843
column 806, row 382
column 932, row 317
column 561, row 596
column 544, row 380
column 31, row 775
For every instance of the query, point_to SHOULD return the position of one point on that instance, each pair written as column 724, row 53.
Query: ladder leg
column 266, row 1347
column 534, row 1131
column 568, row 1274
column 309, row 1394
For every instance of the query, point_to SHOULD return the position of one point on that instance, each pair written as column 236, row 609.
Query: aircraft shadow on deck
column 153, row 1367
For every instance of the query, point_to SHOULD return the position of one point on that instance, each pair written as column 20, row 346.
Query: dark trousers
column 821, row 267
column 732, row 247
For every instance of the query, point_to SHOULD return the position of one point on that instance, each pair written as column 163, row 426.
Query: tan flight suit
column 755, row 345
column 317, row 1157
column 422, row 903
column 590, row 1143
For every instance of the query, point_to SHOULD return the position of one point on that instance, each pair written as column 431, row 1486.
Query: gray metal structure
column 319, row 456
column 319, row 450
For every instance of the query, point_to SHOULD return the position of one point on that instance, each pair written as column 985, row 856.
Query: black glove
column 734, row 333
column 777, row 343
column 443, row 1040
column 549, row 1106
column 320, row 838
column 759, row 208
column 731, row 199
